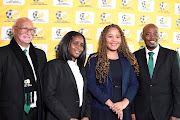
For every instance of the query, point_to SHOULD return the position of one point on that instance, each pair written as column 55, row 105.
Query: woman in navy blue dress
column 111, row 76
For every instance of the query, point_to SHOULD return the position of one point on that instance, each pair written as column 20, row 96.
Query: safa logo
column 178, row 37
column 163, row 36
column 85, row 32
column 106, row 17
column 38, row 15
column 146, row 4
column 126, row 17
column 84, row 16
column 127, row 33
column 12, row 14
column 127, row 3
column 106, row 2
column 62, row 15
column 178, row 22
column 163, row 21
column 164, row 6
column 61, row 32
column 145, row 19
column 9, row 32
column 85, row 1
column 39, row 32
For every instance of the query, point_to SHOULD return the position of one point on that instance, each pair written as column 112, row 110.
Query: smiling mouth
column 113, row 44
column 77, row 52
column 152, row 42
column 26, row 36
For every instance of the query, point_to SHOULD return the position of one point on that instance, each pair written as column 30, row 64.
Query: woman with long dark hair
column 65, row 81
column 111, row 76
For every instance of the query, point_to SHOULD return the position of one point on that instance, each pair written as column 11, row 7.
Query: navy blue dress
column 116, row 74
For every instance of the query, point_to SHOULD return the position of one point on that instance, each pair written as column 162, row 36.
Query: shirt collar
column 25, row 48
column 72, row 62
column 155, row 51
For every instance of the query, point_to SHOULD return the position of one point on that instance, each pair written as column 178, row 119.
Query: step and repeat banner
column 54, row 18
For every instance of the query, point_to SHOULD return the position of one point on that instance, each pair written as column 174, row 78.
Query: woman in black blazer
column 65, row 81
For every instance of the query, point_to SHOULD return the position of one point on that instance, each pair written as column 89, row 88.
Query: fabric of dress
column 116, row 73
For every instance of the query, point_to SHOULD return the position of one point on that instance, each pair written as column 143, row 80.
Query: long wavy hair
column 102, row 66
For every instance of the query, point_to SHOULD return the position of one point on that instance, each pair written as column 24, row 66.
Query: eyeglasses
column 25, row 30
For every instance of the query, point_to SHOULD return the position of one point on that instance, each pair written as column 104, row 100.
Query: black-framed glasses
column 25, row 30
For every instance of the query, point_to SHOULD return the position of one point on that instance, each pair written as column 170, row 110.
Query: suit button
column 151, row 85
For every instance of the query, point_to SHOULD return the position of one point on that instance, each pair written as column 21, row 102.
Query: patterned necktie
column 27, row 103
column 151, row 64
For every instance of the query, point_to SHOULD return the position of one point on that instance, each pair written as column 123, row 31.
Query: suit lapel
column 85, row 82
column 18, row 66
column 159, row 61
column 144, row 62
column 68, row 69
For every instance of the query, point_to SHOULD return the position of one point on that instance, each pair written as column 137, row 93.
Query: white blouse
column 78, row 78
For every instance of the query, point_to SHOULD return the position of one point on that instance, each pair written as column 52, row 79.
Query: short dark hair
column 64, row 48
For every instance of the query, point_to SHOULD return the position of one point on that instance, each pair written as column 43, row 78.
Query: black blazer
column 161, row 94
column 60, row 92
column 12, row 84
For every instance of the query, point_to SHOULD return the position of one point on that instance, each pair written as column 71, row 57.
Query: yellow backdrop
column 54, row 18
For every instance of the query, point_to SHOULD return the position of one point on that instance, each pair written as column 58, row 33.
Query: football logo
column 146, row 4
column 106, row 2
column 179, row 8
column 85, row 32
column 56, row 49
column 163, row 36
column 164, row 6
column 62, row 15
column 9, row 32
column 37, row 15
column 163, row 21
column 61, row 32
column 39, row 32
column 178, row 37
column 145, row 19
column 106, row 16
column 127, row 2
column 126, row 18
column 178, row 22
column 85, row 1
column 12, row 14
column 84, row 16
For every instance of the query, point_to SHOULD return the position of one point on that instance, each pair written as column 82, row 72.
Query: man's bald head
column 21, row 20
column 23, row 31
column 148, row 26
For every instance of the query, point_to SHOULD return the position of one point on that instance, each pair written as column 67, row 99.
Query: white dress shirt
column 78, row 78
column 155, row 51
column 32, row 105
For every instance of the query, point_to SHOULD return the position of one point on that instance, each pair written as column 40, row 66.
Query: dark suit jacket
column 12, row 84
column 101, row 93
column 61, row 93
column 161, row 94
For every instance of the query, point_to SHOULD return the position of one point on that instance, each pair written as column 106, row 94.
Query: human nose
column 152, row 36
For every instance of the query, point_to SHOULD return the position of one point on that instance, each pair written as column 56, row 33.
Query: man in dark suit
column 21, row 68
column 158, row 97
